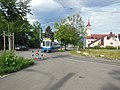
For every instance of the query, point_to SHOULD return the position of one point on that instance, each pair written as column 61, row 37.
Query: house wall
column 88, row 30
column 118, row 40
column 88, row 41
column 96, row 43
column 118, row 43
column 113, row 41
column 110, row 42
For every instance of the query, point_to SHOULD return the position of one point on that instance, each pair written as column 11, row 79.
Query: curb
column 4, row 76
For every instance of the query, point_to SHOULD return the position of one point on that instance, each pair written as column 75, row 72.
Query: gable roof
column 96, row 40
column 96, row 36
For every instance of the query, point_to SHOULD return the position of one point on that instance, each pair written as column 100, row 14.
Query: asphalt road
column 62, row 71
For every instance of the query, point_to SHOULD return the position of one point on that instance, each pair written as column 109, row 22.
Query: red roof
column 96, row 36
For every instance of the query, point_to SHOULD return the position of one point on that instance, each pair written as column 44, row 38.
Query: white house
column 101, row 39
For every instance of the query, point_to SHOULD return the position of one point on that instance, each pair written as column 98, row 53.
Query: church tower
column 88, row 29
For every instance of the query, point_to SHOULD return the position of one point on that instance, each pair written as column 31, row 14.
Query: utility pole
column 4, row 39
column 13, row 41
column 9, row 36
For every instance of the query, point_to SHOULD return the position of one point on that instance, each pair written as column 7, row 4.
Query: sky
column 104, row 15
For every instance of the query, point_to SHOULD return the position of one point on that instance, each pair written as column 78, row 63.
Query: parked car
column 21, row 48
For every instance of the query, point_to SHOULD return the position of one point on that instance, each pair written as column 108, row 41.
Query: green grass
column 108, row 54
column 9, row 63
column 61, row 50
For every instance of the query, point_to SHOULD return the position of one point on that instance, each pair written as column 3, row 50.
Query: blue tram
column 47, row 45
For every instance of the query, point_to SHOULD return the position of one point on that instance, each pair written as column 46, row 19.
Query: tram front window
column 48, row 43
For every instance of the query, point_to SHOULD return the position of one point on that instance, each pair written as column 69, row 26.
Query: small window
column 43, row 43
column 119, row 37
column 111, row 43
column 102, row 40
column 51, row 43
column 108, row 38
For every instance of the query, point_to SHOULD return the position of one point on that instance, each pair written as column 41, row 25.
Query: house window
column 108, row 38
column 111, row 43
column 119, row 37
column 102, row 42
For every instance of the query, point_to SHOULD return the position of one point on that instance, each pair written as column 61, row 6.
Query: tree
column 2, row 28
column 76, row 21
column 12, row 10
column 67, row 34
column 49, row 33
column 20, row 28
column 70, row 30
column 36, row 35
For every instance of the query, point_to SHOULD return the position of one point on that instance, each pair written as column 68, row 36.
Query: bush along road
column 9, row 63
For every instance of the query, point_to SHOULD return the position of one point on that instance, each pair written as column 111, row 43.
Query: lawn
column 104, row 53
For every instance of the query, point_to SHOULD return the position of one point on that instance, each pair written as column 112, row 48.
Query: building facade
column 101, row 40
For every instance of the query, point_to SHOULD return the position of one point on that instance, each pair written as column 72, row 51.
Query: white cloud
column 44, row 6
column 54, row 10
column 105, row 21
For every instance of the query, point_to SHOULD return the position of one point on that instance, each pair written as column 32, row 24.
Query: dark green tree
column 49, row 33
column 21, row 31
column 12, row 11
column 36, row 35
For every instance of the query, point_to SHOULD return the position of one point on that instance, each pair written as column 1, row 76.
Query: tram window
column 47, row 43
column 51, row 43
column 43, row 43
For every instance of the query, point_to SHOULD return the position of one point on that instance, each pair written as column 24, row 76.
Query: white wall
column 96, row 43
column 110, row 42
column 88, row 30
column 107, row 42
column 88, row 41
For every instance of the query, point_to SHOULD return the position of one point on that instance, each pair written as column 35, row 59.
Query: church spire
column 88, row 23
column 88, row 28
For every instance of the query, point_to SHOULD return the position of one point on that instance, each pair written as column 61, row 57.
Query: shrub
column 97, row 47
column 110, row 47
column 10, row 63
column 62, row 50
